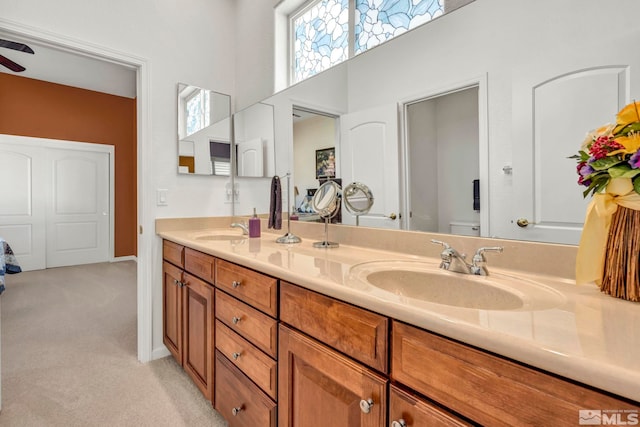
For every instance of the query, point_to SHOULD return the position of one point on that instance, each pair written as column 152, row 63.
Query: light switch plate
column 161, row 197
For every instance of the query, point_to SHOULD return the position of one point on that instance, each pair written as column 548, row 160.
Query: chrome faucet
column 244, row 227
column 454, row 261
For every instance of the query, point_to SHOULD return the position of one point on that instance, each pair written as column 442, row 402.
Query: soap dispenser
column 254, row 225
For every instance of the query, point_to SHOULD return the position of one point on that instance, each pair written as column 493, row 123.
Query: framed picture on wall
column 326, row 163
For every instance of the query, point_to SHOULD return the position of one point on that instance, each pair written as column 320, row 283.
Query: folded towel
column 275, row 207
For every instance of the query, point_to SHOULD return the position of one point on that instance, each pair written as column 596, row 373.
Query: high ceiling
column 56, row 65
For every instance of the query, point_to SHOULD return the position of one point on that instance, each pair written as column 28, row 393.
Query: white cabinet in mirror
column 204, row 131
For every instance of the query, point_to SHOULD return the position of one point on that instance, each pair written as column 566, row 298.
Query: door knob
column 366, row 405
column 399, row 423
column 522, row 222
column 392, row 216
column 236, row 355
column 235, row 284
column 235, row 320
column 235, row 411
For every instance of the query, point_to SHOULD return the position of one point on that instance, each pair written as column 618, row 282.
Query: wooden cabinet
column 319, row 386
column 240, row 401
column 486, row 388
column 358, row 333
column 409, row 410
column 246, row 345
column 188, row 315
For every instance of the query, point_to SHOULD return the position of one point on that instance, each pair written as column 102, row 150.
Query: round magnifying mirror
column 358, row 199
column 325, row 199
column 326, row 202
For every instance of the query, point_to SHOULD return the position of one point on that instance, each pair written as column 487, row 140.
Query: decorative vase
column 621, row 273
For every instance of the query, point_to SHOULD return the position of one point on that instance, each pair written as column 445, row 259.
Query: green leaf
column 623, row 171
column 605, row 163
column 636, row 185
column 598, row 183
column 632, row 127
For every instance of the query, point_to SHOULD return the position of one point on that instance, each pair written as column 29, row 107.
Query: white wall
column 192, row 42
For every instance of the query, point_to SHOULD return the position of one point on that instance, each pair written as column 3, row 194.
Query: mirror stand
column 326, row 243
column 288, row 237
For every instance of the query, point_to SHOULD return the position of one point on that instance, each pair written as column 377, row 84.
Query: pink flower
column 602, row 146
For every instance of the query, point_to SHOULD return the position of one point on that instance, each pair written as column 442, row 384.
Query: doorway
column 444, row 171
column 145, row 204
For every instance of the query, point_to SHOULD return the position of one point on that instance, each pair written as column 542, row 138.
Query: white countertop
column 590, row 337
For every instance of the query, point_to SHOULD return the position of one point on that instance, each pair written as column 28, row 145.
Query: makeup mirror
column 326, row 202
column 358, row 199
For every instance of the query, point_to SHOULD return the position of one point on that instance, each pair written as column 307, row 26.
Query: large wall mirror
column 459, row 128
column 204, row 131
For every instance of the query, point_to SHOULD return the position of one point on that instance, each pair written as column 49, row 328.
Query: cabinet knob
column 235, row 284
column 399, row 423
column 236, row 356
column 366, row 405
column 235, row 320
column 236, row 411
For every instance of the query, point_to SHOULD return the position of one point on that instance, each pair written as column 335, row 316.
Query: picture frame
column 326, row 163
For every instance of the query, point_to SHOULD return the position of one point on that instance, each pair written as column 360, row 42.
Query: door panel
column 554, row 108
column 250, row 158
column 22, row 211
column 369, row 150
column 78, row 208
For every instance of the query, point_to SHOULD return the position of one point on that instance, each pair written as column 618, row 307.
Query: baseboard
column 125, row 258
column 159, row 353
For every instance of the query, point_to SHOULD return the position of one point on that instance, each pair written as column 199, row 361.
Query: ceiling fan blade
column 15, row 46
column 11, row 65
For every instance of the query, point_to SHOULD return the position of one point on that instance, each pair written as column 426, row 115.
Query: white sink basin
column 219, row 234
column 416, row 281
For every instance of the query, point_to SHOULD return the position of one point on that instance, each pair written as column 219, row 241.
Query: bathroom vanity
column 288, row 335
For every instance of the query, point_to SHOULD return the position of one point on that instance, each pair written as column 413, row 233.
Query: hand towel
column 275, row 208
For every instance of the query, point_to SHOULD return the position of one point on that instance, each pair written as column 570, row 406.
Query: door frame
column 144, row 163
column 78, row 146
column 483, row 144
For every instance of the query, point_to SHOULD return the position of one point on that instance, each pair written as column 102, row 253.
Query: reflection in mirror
column 253, row 132
column 358, row 199
column 442, row 135
column 326, row 202
column 204, row 131
column 315, row 157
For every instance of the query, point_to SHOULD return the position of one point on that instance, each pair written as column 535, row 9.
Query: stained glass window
column 377, row 21
column 320, row 38
column 198, row 111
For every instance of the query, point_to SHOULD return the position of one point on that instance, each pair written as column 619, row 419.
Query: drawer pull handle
column 235, row 284
column 366, row 405
column 236, row 356
column 399, row 423
column 237, row 410
column 236, row 320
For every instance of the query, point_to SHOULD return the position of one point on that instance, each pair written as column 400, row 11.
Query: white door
column 250, row 157
column 554, row 107
column 369, row 154
column 77, row 208
column 55, row 208
column 22, row 205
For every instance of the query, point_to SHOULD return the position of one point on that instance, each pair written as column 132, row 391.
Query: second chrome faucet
column 452, row 260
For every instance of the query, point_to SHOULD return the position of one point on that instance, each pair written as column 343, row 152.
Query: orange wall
column 35, row 108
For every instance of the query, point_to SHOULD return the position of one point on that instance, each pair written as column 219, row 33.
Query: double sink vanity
column 374, row 333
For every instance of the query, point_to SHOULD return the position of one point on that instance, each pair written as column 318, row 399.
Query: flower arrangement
column 609, row 166
column 612, row 151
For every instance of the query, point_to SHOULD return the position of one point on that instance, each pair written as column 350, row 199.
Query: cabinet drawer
column 417, row 412
column 256, row 327
column 256, row 365
column 199, row 264
column 173, row 252
column 486, row 388
column 254, row 288
column 354, row 331
column 240, row 401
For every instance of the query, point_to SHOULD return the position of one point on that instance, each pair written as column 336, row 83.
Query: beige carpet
column 69, row 355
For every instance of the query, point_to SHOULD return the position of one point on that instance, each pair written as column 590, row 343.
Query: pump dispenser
column 254, row 225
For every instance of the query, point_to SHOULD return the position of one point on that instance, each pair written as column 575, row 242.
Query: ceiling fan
column 15, row 46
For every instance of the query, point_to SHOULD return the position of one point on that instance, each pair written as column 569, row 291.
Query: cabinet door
column 198, row 330
column 317, row 383
column 406, row 410
column 172, row 310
